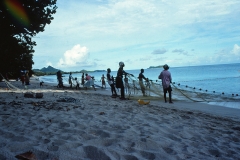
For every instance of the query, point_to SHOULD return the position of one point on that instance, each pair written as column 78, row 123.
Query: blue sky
column 97, row 34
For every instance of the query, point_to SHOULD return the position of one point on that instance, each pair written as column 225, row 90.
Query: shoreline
column 219, row 99
column 88, row 124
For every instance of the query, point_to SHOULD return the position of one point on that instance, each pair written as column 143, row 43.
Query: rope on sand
column 9, row 85
column 185, row 94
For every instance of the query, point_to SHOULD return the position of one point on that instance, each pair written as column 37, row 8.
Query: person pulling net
column 119, row 80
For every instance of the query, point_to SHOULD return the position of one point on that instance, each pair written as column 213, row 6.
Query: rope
column 9, row 85
column 185, row 95
column 156, row 90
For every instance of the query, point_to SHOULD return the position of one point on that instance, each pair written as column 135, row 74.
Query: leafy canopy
column 20, row 20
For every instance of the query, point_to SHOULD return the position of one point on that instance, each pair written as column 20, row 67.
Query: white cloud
column 108, row 26
column 49, row 63
column 180, row 51
column 75, row 57
column 236, row 50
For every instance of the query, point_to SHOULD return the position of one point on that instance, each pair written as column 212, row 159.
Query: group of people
column 121, row 77
column 86, row 81
column 165, row 76
column 24, row 77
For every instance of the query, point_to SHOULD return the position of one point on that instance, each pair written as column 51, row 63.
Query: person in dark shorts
column 103, row 81
column 119, row 79
column 82, row 79
column 166, row 78
column 110, row 80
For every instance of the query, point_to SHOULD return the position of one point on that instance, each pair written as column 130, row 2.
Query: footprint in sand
column 169, row 150
column 130, row 157
column 53, row 148
column 63, row 125
column 148, row 155
column 93, row 152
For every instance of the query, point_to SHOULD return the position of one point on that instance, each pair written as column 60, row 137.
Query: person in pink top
column 166, row 78
column 89, row 82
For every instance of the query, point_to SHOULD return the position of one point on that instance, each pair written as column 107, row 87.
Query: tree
column 20, row 20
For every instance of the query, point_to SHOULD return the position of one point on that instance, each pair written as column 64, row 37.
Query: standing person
column 103, row 81
column 22, row 77
column 110, row 80
column 70, row 79
column 141, row 77
column 119, row 81
column 27, row 79
column 60, row 80
column 90, row 82
column 166, row 78
column 82, row 82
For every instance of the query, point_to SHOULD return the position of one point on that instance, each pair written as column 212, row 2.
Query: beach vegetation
column 20, row 21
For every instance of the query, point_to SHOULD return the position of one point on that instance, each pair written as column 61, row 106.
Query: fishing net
column 154, row 91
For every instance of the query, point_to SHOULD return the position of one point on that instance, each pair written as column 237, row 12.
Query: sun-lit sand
column 86, row 124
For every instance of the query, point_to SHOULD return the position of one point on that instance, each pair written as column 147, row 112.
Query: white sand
column 96, row 126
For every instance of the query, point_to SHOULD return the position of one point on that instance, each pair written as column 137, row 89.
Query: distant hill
column 44, row 71
column 49, row 69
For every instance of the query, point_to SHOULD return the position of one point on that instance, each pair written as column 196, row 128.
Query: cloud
column 236, row 50
column 77, row 56
column 159, row 51
column 180, row 51
column 49, row 63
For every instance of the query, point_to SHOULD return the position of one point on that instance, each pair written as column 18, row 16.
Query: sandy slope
column 70, row 124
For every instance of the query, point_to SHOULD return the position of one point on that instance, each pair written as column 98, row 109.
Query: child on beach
column 70, row 79
column 103, row 81
column 22, row 77
column 110, row 80
column 77, row 83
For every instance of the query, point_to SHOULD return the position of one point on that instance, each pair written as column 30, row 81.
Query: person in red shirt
column 90, row 82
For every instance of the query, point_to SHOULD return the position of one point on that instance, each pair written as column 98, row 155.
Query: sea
column 221, row 78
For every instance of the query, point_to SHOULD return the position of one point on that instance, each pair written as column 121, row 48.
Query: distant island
column 52, row 71
column 155, row 67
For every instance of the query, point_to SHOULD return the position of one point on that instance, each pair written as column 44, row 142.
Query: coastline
column 96, row 126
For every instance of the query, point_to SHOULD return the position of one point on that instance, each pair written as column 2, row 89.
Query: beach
column 69, row 124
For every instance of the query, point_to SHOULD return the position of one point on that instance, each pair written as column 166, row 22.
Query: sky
column 98, row 34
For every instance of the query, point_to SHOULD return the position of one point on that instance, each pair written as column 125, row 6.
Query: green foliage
column 17, row 30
